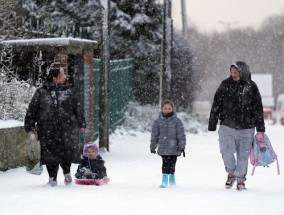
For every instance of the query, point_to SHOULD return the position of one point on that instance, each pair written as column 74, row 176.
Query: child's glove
column 93, row 175
column 212, row 127
column 261, row 141
column 153, row 151
column 87, row 172
column 183, row 153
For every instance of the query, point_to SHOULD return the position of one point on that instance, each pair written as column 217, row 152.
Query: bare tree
column 11, row 19
column 262, row 49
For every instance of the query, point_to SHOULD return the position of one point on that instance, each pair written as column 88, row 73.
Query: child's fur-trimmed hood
column 90, row 145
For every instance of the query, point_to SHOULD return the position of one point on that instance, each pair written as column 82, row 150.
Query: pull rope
column 81, row 138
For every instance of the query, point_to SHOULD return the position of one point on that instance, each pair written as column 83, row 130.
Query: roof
column 46, row 43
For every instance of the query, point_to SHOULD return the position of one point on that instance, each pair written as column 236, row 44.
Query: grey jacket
column 168, row 135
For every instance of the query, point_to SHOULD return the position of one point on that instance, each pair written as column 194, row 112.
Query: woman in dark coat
column 59, row 117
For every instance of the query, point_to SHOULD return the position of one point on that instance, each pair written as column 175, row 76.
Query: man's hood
column 244, row 70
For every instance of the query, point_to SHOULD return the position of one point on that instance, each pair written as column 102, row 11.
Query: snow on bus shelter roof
column 47, row 43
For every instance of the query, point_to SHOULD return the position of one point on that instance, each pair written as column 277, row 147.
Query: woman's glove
column 32, row 136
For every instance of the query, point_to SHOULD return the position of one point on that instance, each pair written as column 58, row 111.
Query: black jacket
column 237, row 104
column 95, row 166
column 58, row 114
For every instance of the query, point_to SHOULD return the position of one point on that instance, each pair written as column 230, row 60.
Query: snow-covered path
column 135, row 176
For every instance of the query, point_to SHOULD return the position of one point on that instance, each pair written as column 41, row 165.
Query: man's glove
column 183, row 153
column 153, row 151
column 261, row 142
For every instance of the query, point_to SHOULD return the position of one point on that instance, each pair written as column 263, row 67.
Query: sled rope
column 81, row 136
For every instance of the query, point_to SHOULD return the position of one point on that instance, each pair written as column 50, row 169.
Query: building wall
column 13, row 142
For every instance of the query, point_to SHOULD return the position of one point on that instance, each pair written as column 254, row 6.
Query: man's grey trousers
column 235, row 141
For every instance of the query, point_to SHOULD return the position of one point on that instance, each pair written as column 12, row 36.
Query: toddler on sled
column 91, row 170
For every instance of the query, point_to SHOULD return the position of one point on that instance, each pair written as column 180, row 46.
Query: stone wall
column 13, row 143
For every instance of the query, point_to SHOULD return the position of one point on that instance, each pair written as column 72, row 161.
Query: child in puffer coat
column 92, row 164
column 169, row 137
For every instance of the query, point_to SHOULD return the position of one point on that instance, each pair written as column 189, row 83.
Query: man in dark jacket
column 237, row 104
column 58, row 117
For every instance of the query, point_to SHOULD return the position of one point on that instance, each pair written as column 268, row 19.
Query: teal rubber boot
column 164, row 181
column 172, row 180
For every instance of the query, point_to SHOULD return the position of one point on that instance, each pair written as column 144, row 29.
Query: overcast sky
column 208, row 15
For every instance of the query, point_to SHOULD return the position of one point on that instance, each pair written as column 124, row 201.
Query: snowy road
column 135, row 176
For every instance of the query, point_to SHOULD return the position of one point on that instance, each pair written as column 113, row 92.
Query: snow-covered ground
column 135, row 176
column 10, row 123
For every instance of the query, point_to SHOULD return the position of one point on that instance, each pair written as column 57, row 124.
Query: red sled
column 97, row 182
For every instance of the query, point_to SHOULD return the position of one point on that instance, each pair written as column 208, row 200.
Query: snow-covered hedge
column 14, row 99
column 14, row 94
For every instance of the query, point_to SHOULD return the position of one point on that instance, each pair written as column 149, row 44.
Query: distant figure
column 92, row 164
column 169, row 137
column 237, row 104
column 58, row 116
